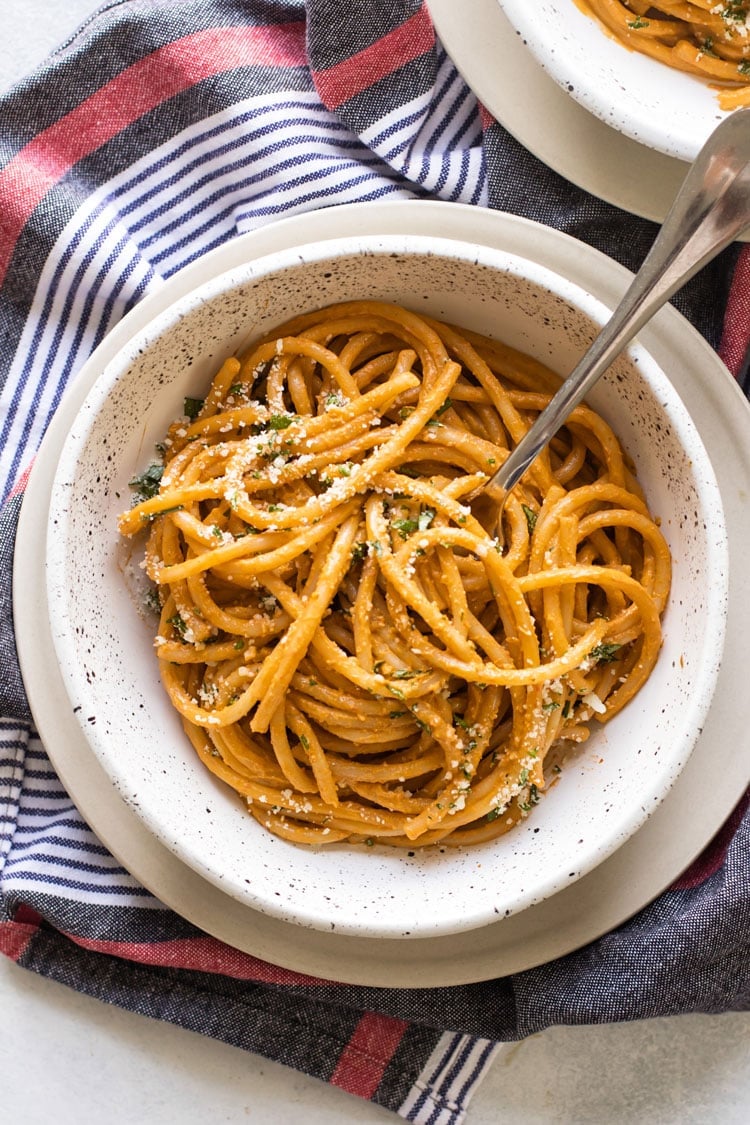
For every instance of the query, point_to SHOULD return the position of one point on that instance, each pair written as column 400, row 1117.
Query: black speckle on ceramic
column 104, row 642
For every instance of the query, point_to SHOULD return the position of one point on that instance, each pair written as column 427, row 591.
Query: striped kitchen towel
column 162, row 130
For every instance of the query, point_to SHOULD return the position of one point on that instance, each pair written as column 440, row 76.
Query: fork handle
column 710, row 210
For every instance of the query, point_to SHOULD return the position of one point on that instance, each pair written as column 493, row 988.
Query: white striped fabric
column 45, row 846
column 266, row 157
column 441, row 1093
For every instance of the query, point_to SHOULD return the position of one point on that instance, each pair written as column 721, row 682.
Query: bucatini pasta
column 701, row 37
column 349, row 647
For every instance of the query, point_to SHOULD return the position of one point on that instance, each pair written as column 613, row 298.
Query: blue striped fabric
column 376, row 111
column 266, row 157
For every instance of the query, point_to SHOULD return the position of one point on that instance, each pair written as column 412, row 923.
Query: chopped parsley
column 605, row 653
column 178, row 625
column 531, row 517
column 151, row 601
column 405, row 527
column 637, row 24
column 192, row 407
column 149, row 516
column 493, row 814
column 146, row 486
column 280, row 421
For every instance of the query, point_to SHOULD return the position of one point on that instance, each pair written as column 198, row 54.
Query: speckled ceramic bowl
column 104, row 645
column 663, row 108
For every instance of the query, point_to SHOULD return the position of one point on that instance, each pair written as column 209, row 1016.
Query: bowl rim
column 592, row 308
column 565, row 59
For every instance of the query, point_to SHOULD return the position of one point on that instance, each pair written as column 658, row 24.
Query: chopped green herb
column 359, row 550
column 396, row 714
column 605, row 653
column 147, row 484
column 551, row 706
column 533, row 795
column 280, row 421
column 192, row 407
column 177, row 624
column 405, row 527
column 150, row 516
column 151, row 601
column 406, row 673
column 216, row 530
column 531, row 517
column 493, row 814
column 426, row 516
column 304, row 741
column 235, row 389
column 239, row 644
column 637, row 23
column 566, row 709
column 523, row 777
column 369, row 842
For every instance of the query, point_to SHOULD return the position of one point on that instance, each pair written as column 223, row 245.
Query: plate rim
column 562, row 133
column 634, row 70
column 509, row 945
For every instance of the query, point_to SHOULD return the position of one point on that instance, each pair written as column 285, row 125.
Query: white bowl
column 105, row 648
column 663, row 108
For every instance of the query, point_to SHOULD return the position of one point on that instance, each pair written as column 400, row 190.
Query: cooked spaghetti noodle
column 348, row 646
column 705, row 38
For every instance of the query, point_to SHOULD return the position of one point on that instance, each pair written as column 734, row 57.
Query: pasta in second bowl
column 664, row 76
column 358, row 711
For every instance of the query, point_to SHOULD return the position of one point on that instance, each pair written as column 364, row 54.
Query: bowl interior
column 663, row 108
column 103, row 637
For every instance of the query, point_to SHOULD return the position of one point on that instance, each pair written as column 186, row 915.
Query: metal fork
column 710, row 210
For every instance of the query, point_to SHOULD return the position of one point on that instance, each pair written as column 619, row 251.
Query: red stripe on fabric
column 20, row 485
column 202, row 954
column 735, row 338
column 146, row 84
column 486, row 117
column 712, row 858
column 365, row 1057
column 15, row 937
column 338, row 83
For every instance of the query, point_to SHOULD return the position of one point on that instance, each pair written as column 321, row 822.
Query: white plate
column 503, row 74
column 697, row 805
column 647, row 100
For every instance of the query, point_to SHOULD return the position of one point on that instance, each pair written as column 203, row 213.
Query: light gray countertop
column 73, row 1060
